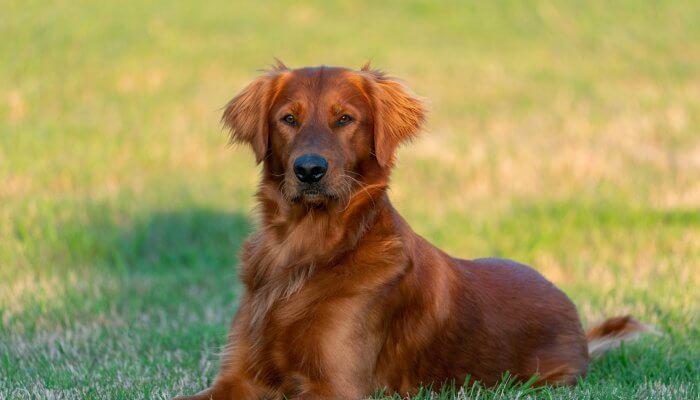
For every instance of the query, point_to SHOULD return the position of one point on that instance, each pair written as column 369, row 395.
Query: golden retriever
column 341, row 297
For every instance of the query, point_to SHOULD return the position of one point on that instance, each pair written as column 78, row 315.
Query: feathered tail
column 614, row 331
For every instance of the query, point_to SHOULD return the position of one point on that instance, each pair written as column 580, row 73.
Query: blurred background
column 565, row 135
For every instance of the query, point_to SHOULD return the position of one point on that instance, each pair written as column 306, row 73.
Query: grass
column 563, row 135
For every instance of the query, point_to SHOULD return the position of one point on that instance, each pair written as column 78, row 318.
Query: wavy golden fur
column 341, row 297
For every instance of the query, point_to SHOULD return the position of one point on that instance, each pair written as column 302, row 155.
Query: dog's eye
column 344, row 120
column 289, row 120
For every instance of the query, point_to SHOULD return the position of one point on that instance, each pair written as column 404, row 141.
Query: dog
column 341, row 297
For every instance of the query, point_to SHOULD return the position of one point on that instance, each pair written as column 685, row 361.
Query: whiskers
column 343, row 188
column 289, row 197
column 348, row 182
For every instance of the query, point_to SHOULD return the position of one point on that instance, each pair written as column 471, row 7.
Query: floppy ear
column 246, row 115
column 398, row 115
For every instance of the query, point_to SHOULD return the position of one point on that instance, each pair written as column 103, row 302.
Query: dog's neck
column 294, row 243
column 312, row 234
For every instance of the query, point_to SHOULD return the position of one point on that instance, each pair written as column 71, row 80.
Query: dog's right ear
column 246, row 115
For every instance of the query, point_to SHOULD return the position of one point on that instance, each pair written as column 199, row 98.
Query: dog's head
column 323, row 132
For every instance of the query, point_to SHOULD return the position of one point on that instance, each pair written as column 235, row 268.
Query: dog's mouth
column 314, row 195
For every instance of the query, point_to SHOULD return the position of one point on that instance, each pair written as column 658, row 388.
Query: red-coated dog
column 342, row 298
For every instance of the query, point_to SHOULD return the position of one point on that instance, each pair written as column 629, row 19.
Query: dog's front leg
column 229, row 388
column 346, row 369
column 234, row 381
column 329, row 391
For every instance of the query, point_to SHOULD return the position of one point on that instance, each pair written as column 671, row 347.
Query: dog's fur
column 342, row 298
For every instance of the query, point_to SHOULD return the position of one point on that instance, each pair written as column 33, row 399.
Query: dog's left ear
column 398, row 114
column 247, row 114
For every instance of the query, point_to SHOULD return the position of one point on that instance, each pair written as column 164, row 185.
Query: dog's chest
column 304, row 329
column 293, row 333
column 302, row 320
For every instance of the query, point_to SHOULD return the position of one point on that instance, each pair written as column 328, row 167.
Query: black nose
column 310, row 168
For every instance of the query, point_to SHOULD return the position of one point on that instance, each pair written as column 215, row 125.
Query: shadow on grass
column 176, row 259
column 197, row 239
column 93, row 264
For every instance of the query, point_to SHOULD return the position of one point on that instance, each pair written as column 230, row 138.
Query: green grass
column 562, row 135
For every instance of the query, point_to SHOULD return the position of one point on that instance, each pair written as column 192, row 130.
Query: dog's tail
column 614, row 331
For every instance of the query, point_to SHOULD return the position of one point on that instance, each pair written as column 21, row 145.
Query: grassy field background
column 562, row 135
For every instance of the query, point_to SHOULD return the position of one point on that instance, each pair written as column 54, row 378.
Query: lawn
column 563, row 135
